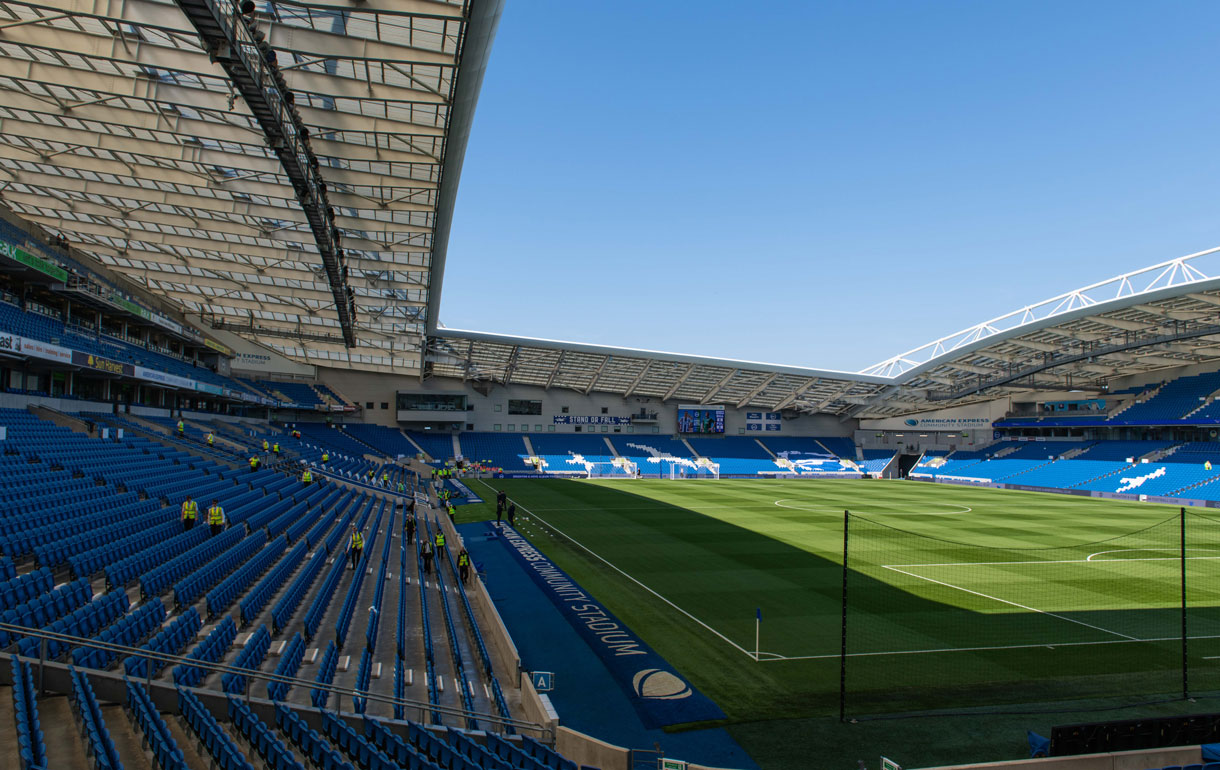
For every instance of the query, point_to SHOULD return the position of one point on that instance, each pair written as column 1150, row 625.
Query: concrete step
column 195, row 755
column 65, row 747
column 127, row 741
column 8, row 730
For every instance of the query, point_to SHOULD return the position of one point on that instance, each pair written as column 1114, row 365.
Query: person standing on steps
column 355, row 546
column 190, row 512
column 216, row 518
column 411, row 528
column 463, row 565
column 425, row 553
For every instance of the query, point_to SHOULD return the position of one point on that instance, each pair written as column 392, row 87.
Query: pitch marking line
column 964, row 509
column 772, row 657
column 601, row 558
column 1030, row 646
column 1015, row 604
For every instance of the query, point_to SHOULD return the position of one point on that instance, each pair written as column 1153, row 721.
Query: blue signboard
column 543, row 681
column 773, row 416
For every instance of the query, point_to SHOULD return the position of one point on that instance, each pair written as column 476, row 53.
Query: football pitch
column 958, row 598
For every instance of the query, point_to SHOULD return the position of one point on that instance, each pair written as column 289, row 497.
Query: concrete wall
column 366, row 387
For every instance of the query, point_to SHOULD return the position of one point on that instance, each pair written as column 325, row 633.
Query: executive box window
column 431, row 402
column 524, row 406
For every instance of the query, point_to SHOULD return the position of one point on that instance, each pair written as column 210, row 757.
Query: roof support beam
column 598, row 374
column 554, row 372
column 640, row 378
column 761, row 387
column 715, row 389
column 690, row 369
column 795, row 394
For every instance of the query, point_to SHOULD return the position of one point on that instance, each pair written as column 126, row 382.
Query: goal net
column 618, row 469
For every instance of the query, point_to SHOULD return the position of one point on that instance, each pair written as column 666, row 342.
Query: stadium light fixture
column 227, row 31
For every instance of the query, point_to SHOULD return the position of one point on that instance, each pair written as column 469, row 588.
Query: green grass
column 1017, row 597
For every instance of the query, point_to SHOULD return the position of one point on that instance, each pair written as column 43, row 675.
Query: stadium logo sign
column 658, row 693
column 660, row 685
column 911, row 421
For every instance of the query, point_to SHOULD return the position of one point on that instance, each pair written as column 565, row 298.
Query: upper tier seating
column 1173, row 402
column 390, row 441
column 295, row 392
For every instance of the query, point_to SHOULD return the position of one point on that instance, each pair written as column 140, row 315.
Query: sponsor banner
column 99, row 364
column 660, row 695
column 600, row 419
column 218, row 347
column 45, row 351
column 503, row 475
column 171, row 380
column 204, row 387
column 18, row 254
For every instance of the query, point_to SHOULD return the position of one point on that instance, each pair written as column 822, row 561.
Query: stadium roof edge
column 658, row 355
column 1165, row 279
column 472, row 67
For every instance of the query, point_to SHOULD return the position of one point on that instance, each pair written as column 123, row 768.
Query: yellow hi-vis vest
column 463, row 559
column 264, row 445
column 357, row 541
column 325, row 457
column 253, row 462
column 180, row 426
column 440, row 540
column 211, row 438
column 216, row 515
column 307, row 477
column 190, row 509
column 276, row 448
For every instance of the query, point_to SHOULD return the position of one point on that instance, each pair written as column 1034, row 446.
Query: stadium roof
column 125, row 129
column 1161, row 317
column 136, row 133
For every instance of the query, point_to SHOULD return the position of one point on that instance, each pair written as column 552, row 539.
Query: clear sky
column 825, row 184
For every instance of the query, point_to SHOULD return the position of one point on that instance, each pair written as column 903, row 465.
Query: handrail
column 150, row 655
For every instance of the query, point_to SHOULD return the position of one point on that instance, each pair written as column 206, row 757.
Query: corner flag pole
column 757, row 630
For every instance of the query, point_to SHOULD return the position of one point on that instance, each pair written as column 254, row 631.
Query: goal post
column 617, row 469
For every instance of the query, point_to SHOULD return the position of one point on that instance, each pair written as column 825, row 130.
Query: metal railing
column 165, row 659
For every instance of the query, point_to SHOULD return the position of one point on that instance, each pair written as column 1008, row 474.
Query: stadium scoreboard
column 700, row 419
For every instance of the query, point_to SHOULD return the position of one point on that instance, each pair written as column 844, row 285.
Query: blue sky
column 825, row 184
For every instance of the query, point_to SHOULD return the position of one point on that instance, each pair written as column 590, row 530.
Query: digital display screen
column 701, row 419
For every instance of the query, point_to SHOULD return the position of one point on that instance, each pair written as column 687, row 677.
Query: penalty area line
column 1025, row 607
column 632, row 578
column 1030, row 646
